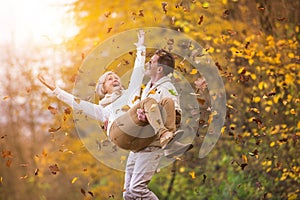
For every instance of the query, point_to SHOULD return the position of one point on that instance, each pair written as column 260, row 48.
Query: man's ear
column 160, row 69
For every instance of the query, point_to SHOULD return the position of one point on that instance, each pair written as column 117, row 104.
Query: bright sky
column 35, row 21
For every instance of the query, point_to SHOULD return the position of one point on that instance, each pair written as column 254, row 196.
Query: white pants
column 140, row 168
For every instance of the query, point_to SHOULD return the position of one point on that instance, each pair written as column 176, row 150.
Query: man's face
column 152, row 66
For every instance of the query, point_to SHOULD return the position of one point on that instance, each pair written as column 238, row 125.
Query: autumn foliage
column 256, row 51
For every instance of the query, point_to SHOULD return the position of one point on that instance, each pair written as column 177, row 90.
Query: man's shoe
column 177, row 149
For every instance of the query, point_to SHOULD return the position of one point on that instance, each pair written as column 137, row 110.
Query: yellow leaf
column 182, row 169
column 74, row 180
column 244, row 157
column 125, row 108
column 192, row 174
column 194, row 71
column 253, row 76
column 256, row 99
column 5, row 97
column 272, row 144
column 292, row 111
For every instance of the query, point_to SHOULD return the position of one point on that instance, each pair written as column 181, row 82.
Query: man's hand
column 141, row 115
column 49, row 85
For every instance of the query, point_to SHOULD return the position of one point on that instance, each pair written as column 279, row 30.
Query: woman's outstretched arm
column 92, row 110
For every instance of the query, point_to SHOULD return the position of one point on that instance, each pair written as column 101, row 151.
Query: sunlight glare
column 36, row 21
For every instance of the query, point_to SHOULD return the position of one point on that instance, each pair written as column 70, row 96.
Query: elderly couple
column 148, row 128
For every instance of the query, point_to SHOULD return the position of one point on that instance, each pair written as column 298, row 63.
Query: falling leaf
column 5, row 97
column 281, row 19
column 82, row 56
column 243, row 166
column 125, row 108
column 135, row 99
column 219, row 66
column 173, row 92
column 201, row 101
column 54, row 169
column 244, row 157
column 82, row 191
column 200, row 20
column 164, row 6
column 109, row 29
column 74, row 180
column 205, row 5
column 77, row 100
column 247, row 45
column 192, row 174
column 107, row 14
column 8, row 163
column 204, row 178
column 226, row 13
column 194, row 71
column 153, row 91
column 67, row 111
column 200, row 84
column 52, row 110
column 2, row 137
column 92, row 194
column 53, row 130
column 141, row 13
column 6, row 154
column 36, row 172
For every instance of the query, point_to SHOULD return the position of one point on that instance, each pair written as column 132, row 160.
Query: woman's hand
column 141, row 38
column 49, row 85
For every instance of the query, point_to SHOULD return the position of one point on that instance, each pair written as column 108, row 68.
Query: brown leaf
column 141, row 13
column 54, row 169
column 67, row 111
column 201, row 84
column 107, row 14
column 52, row 130
column 36, row 172
column 219, row 66
column 6, row 154
column 2, row 137
column 201, row 101
column 82, row 191
column 8, row 162
column 200, row 20
column 5, row 97
column 91, row 193
column 52, row 110
column 109, row 29
column 164, row 6
column 243, row 166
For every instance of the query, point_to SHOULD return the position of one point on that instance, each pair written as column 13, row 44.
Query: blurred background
column 255, row 46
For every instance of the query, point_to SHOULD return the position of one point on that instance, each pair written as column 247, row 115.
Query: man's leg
column 128, row 174
column 145, row 166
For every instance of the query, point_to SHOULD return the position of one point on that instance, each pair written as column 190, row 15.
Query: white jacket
column 113, row 110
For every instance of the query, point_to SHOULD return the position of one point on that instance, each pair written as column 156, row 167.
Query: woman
column 131, row 130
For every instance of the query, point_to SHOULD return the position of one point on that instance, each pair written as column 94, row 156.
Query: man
column 142, row 165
